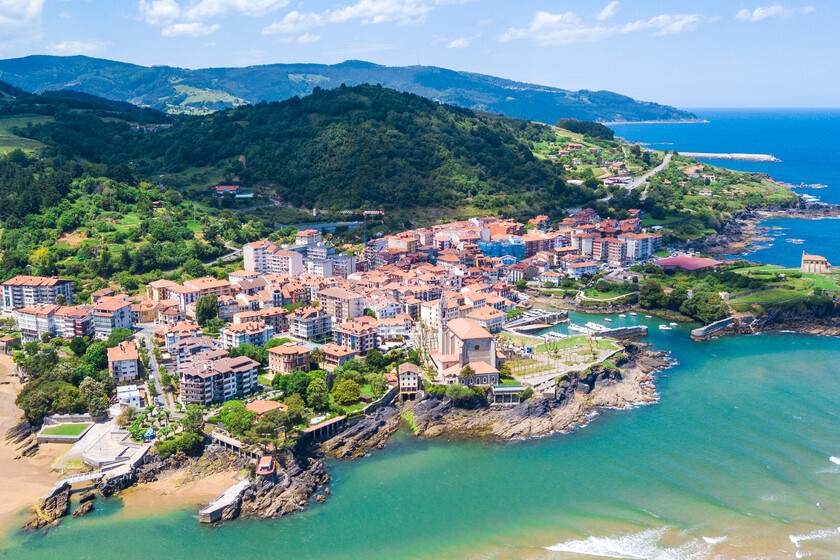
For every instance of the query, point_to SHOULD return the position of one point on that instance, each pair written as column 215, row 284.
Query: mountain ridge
column 182, row 90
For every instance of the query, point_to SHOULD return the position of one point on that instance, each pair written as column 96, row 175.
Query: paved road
column 637, row 182
column 147, row 334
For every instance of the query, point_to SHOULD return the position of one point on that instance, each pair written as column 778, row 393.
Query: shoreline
column 25, row 479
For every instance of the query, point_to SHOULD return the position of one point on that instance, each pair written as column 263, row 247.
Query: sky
column 690, row 54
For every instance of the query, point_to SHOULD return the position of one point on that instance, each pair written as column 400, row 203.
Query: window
column 477, row 347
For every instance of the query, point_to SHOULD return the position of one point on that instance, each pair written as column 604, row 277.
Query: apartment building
column 75, row 321
column 310, row 323
column 209, row 286
column 245, row 333
column 205, row 382
column 123, row 362
column 35, row 320
column 342, row 304
column 24, row 291
column 111, row 313
column 359, row 335
column 265, row 257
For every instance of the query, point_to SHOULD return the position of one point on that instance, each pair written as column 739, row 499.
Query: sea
column 738, row 459
column 807, row 141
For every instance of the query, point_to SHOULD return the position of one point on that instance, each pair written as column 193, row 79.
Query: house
column 550, row 277
column 408, row 375
column 23, row 291
column 232, row 336
column 814, row 264
column 686, row 263
column 129, row 396
column 288, row 358
column 307, row 237
column 209, row 286
column 104, row 292
column 123, row 362
column 260, row 406
column 265, row 466
column 706, row 192
column 174, row 332
column 335, row 356
column 235, row 190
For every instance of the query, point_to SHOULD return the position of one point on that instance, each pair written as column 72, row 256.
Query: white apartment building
column 123, row 361
column 250, row 332
column 265, row 257
column 24, row 291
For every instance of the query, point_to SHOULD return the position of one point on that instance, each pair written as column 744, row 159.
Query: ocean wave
column 645, row 545
column 714, row 540
column 819, row 534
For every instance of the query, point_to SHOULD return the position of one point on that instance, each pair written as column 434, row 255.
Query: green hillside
column 348, row 148
column 179, row 90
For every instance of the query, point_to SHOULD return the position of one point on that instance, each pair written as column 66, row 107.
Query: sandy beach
column 174, row 492
column 28, row 478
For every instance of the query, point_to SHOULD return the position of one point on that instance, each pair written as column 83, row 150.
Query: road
column 146, row 332
column 637, row 182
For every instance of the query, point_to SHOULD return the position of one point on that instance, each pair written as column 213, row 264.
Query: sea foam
column 644, row 545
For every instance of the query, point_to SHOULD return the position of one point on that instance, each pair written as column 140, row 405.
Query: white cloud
column 777, row 11
column 87, row 47
column 191, row 29
column 159, row 11
column 209, row 8
column 366, row 11
column 20, row 20
column 549, row 29
column 608, row 11
column 459, row 44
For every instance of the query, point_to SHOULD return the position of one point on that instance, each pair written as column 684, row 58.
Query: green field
column 65, row 430
column 10, row 141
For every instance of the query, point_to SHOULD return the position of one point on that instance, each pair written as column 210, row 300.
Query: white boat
column 648, row 317
column 608, row 320
column 664, row 328
column 673, row 324
column 632, row 313
column 622, row 315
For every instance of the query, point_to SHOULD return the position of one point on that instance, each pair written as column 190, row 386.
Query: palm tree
column 468, row 373
column 318, row 356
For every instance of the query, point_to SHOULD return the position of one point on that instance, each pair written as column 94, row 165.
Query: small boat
column 632, row 313
column 648, row 317
column 622, row 315
column 664, row 328
column 673, row 324
column 608, row 320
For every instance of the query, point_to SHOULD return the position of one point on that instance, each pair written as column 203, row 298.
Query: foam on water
column 645, row 545
column 819, row 534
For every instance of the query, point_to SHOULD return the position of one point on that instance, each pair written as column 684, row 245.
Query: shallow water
column 732, row 463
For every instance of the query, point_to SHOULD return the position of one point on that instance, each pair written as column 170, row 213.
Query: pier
column 731, row 157
column 215, row 509
column 541, row 317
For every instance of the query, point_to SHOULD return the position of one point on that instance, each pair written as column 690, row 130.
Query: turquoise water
column 737, row 451
column 806, row 140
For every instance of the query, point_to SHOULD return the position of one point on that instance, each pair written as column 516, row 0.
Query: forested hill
column 347, row 148
column 179, row 90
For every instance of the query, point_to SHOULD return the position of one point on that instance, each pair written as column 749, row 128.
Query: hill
column 347, row 148
column 179, row 90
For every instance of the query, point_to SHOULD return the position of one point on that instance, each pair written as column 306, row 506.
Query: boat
column 673, row 324
column 608, row 320
column 632, row 313
column 664, row 328
column 622, row 315
column 648, row 317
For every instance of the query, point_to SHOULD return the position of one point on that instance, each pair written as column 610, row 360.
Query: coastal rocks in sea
column 371, row 432
column 577, row 395
column 19, row 433
column 50, row 508
column 85, row 507
column 109, row 486
column 297, row 482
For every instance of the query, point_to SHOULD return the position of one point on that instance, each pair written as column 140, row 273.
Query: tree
column 296, row 409
column 118, row 335
column 467, row 372
column 97, row 355
column 651, row 295
column 346, row 391
column 521, row 284
column 206, row 308
column 78, row 346
column 193, row 420
column 370, row 312
column 505, row 371
column 90, row 389
column 706, row 307
column 98, row 407
column 60, row 299
column 125, row 417
column 298, row 382
column 194, row 267
column 378, row 383
column 317, row 395
column 375, row 360
column 236, row 418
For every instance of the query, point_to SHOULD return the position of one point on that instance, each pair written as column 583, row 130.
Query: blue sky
column 715, row 53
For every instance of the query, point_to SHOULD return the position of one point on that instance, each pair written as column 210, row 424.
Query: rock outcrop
column 296, row 483
column 577, row 395
column 371, row 432
column 51, row 508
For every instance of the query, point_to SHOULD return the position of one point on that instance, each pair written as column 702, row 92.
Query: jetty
column 731, row 157
column 214, row 511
